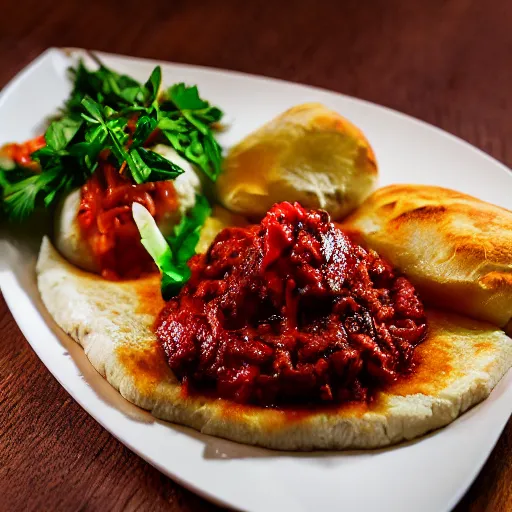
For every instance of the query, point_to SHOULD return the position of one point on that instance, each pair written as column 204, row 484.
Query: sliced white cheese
column 68, row 235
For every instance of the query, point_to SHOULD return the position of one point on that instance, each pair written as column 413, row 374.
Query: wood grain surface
column 446, row 62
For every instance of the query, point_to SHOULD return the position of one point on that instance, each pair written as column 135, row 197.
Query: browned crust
column 458, row 365
column 455, row 248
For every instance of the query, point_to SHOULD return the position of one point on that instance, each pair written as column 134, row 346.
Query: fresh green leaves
column 109, row 130
column 152, row 86
column 144, row 165
column 186, row 121
column 94, row 109
column 186, row 234
column 61, row 132
column 186, row 98
column 153, row 167
column 114, row 115
column 66, row 161
column 111, row 89
column 60, row 171
column 145, row 127
column 19, row 196
column 171, row 254
column 188, row 101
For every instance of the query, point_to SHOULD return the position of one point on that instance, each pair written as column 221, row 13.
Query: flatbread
column 454, row 248
column 459, row 364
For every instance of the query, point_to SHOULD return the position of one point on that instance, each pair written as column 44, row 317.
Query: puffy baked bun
column 456, row 249
column 308, row 154
column 67, row 233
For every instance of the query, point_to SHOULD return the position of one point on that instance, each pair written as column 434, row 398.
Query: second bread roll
column 456, row 249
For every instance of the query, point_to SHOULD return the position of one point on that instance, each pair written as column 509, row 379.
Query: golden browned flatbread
column 455, row 249
column 459, row 363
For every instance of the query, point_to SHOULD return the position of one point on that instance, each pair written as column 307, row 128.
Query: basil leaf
column 147, row 166
column 161, row 168
column 139, row 169
column 117, row 148
column 144, row 128
column 152, row 86
column 61, row 132
column 94, row 109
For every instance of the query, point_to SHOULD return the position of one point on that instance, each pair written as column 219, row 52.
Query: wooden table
column 446, row 62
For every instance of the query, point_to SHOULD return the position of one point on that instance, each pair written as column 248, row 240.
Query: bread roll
column 456, row 249
column 308, row 154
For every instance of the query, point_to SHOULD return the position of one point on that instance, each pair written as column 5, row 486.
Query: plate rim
column 41, row 58
column 6, row 89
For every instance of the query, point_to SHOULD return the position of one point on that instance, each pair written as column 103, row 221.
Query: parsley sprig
column 95, row 118
column 60, row 171
column 108, row 127
column 186, row 121
column 109, row 88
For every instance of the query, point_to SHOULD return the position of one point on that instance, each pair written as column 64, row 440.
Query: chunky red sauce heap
column 291, row 311
column 105, row 217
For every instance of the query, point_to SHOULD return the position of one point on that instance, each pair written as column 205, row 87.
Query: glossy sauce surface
column 291, row 311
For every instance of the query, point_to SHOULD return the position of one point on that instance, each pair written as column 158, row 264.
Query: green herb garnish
column 186, row 121
column 171, row 254
column 107, row 125
column 109, row 88
column 96, row 119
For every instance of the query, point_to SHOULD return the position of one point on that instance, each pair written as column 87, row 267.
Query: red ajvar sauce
column 291, row 311
column 105, row 218
column 22, row 153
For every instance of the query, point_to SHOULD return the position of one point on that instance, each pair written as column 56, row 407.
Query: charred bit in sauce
column 291, row 312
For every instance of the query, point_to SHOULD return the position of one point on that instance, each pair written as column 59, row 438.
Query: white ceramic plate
column 430, row 474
